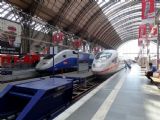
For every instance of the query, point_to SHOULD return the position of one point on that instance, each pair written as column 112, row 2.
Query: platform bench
column 157, row 80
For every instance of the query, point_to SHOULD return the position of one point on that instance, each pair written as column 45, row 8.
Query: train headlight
column 98, row 65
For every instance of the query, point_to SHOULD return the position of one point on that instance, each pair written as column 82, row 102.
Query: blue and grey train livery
column 66, row 59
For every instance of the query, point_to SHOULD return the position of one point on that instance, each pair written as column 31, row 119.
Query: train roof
column 75, row 51
column 112, row 51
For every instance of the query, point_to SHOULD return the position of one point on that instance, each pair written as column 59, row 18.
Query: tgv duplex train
column 66, row 59
column 106, row 62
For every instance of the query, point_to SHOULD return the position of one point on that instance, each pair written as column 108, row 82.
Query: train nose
column 40, row 65
column 97, row 65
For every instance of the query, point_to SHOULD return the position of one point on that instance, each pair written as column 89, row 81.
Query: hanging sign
column 142, row 34
column 77, row 43
column 57, row 37
column 10, row 39
column 153, row 32
column 148, row 11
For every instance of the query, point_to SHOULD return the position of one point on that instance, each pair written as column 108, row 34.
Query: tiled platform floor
column 127, row 95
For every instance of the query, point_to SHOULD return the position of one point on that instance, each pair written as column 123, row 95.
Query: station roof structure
column 106, row 22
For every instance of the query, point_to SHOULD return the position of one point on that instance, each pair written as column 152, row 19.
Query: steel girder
column 129, row 38
column 112, row 39
column 124, row 20
column 104, row 35
column 135, row 32
column 81, row 14
column 100, row 30
column 128, row 23
column 127, row 29
column 109, row 23
column 120, row 7
column 126, row 15
column 118, row 26
column 59, row 17
column 132, row 33
column 110, row 29
column 95, row 16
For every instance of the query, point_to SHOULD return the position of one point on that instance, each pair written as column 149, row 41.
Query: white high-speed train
column 66, row 59
column 106, row 62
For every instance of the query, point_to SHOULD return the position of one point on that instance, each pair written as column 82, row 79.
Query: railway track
column 80, row 91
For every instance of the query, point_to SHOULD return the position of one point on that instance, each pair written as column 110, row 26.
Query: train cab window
column 74, row 52
column 103, row 55
column 48, row 57
column 64, row 56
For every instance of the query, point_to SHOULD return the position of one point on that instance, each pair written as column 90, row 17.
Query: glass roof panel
column 131, row 21
column 132, row 35
column 33, row 22
column 128, row 26
column 123, row 15
column 128, row 17
column 114, row 7
column 5, row 6
column 107, row 6
column 18, row 20
column 13, row 19
column 10, row 16
column 10, row 8
column 126, row 30
column 99, row 1
column 128, row 33
column 4, row 13
column 1, row 9
column 102, row 2
column 110, row 17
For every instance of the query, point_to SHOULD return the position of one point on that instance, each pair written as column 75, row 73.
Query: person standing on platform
column 127, row 65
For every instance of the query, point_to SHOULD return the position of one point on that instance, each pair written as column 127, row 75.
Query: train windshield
column 103, row 55
column 48, row 57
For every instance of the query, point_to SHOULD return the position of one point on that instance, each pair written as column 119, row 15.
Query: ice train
column 106, row 62
column 66, row 59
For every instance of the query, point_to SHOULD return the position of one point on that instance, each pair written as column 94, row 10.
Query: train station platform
column 81, row 75
column 127, row 95
column 17, row 75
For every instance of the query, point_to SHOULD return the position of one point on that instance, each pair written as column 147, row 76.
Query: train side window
column 64, row 56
